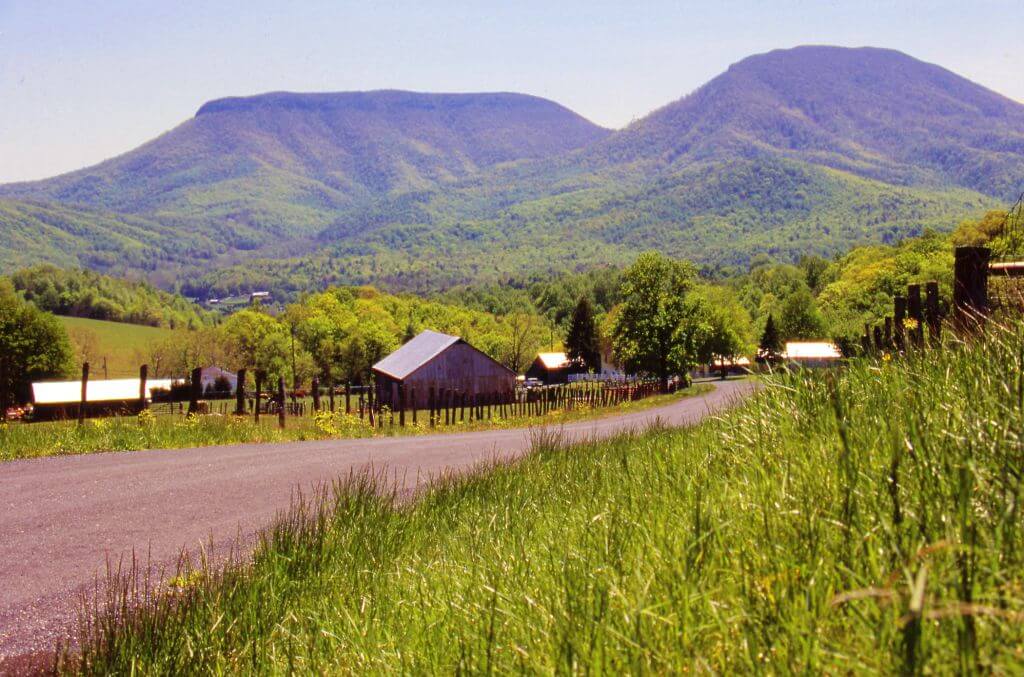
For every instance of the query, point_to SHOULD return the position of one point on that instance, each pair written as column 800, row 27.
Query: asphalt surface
column 66, row 519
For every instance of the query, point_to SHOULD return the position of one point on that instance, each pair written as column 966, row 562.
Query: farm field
column 118, row 344
column 164, row 430
column 861, row 521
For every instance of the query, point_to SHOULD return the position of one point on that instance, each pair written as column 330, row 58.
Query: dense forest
column 83, row 293
column 339, row 333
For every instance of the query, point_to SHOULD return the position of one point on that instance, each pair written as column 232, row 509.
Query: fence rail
column 972, row 304
column 446, row 406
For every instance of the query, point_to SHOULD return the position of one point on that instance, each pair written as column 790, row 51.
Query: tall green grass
column 860, row 521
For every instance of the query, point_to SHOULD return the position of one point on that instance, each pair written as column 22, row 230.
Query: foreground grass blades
column 863, row 521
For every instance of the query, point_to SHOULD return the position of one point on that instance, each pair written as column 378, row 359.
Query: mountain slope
column 812, row 149
column 282, row 165
column 874, row 112
column 40, row 232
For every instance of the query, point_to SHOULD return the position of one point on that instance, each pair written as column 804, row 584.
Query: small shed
column 812, row 353
column 442, row 362
column 551, row 368
column 215, row 379
column 55, row 400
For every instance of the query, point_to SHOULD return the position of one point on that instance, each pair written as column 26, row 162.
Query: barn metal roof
column 812, row 350
column 424, row 347
column 553, row 360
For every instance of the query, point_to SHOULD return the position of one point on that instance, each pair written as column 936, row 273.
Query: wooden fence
column 973, row 270
column 446, row 406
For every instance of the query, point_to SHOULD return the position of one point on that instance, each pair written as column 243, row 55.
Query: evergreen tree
column 582, row 343
column 770, row 347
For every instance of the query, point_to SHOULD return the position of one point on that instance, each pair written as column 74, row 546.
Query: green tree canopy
column 259, row 342
column 800, row 318
column 33, row 346
column 660, row 328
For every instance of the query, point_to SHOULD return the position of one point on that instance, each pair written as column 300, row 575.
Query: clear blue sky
column 84, row 81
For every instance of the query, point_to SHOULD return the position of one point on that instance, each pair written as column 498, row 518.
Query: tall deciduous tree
column 800, row 318
column 33, row 346
column 582, row 343
column 661, row 329
column 722, row 341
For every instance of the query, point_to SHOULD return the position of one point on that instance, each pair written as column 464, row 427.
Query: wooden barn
column 442, row 362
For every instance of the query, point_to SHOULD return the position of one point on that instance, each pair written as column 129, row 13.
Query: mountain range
column 806, row 150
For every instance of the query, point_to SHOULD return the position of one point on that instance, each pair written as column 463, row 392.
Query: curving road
column 64, row 518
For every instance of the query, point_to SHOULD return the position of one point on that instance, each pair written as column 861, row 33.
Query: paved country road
column 63, row 518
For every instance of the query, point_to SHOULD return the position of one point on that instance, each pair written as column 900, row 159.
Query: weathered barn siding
column 459, row 368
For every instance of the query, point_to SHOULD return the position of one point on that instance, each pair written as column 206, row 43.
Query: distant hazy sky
column 83, row 81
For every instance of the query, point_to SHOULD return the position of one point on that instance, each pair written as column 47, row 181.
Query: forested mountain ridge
column 320, row 150
column 805, row 150
column 253, row 172
column 873, row 112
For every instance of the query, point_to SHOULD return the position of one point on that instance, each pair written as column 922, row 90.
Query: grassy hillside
column 863, row 521
column 121, row 347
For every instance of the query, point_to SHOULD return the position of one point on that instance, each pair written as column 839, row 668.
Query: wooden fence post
column 4, row 392
column 259, row 395
column 887, row 333
column 280, row 396
column 932, row 315
column 196, row 391
column 916, row 312
column 330, row 393
column 877, row 335
column 970, row 287
column 393, row 396
column 899, row 314
column 240, row 393
column 401, row 404
column 412, row 398
column 370, row 412
column 143, row 393
column 348, row 398
column 315, row 387
column 430, row 406
column 85, row 395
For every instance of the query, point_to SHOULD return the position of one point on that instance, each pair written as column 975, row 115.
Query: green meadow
column 850, row 522
column 119, row 345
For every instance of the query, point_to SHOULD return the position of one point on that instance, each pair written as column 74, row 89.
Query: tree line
column 658, row 316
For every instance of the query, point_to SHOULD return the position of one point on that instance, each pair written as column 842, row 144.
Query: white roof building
column 811, row 351
column 553, row 360
column 110, row 390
